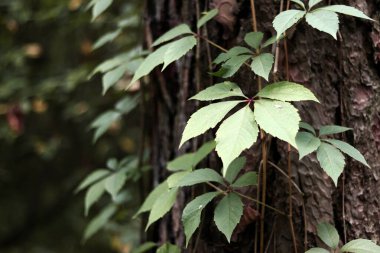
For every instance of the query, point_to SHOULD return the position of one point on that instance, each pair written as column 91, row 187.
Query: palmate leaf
column 99, row 221
column 262, row 65
column 307, row 127
column 253, row 39
column 219, row 91
column 317, row 250
column 280, row 119
column 200, row 176
column 173, row 33
column 228, row 213
column 328, row 234
column 162, row 205
column 248, row 179
column 332, row 129
column 152, row 197
column 312, row 3
column 287, row 19
column 206, row 118
column 232, row 65
column 306, row 143
column 235, row 167
column 207, row 17
column 324, row 21
column 347, row 10
column 191, row 216
column 178, row 49
column 360, row 246
column 235, row 134
column 287, row 91
column 349, row 150
column 331, row 161
column 271, row 41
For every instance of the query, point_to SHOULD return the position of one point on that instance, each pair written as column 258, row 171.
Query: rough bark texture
column 345, row 76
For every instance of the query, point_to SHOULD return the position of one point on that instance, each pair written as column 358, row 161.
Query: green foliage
column 93, row 194
column 324, row 21
column 300, row 3
column 347, row 10
column 328, row 235
column 228, row 213
column 207, row 17
column 152, row 197
column 307, row 143
column 233, row 170
column 361, row 246
column 108, row 37
column 219, row 91
column 317, row 250
column 349, row 150
column 332, row 129
column 168, row 248
column 178, row 49
column 287, row 91
column 308, row 127
column 248, row 179
column 235, row 134
column 262, row 65
column 206, row 118
column 313, row 3
column 98, row 7
column 191, row 216
column 144, row 247
column 92, row 178
column 287, row 19
column 331, row 160
column 200, row 176
column 278, row 118
column 253, row 39
column 172, row 34
column 99, row 221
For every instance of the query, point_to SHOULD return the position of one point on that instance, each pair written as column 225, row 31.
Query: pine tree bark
column 344, row 75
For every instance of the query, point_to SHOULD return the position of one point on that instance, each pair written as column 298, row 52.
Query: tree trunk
column 344, row 75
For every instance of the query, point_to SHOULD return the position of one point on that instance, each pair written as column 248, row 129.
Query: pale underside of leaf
column 306, row 143
column 235, row 134
column 206, row 118
column 173, row 33
column 287, row 91
column 324, row 21
column 287, row 19
column 178, row 49
column 280, row 119
column 262, row 65
column 219, row 91
column 331, row 161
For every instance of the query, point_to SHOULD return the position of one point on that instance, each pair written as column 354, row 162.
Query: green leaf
column 191, row 216
column 106, row 38
column 92, row 178
column 306, row 143
column 206, row 118
column 152, row 197
column 271, row 41
column 324, row 21
column 232, row 65
column 173, row 33
column 228, row 213
column 234, row 169
column 144, row 247
column 287, row 91
column 347, row 10
column 115, row 183
column 183, row 162
column 150, row 62
column 262, row 65
column 361, row 246
column 280, row 119
column 328, row 234
column 162, row 205
column 200, row 176
column 248, row 179
column 168, row 248
column 312, row 3
column 287, row 19
column 99, row 7
column 308, row 127
column 127, row 104
column 349, row 150
column 178, row 49
column 317, row 250
column 103, row 122
column 254, row 39
column 300, row 3
column 331, row 161
column 332, row 129
column 207, row 17
column 111, row 77
column 174, row 178
column 235, row 134
column 203, row 151
column 93, row 194
column 98, row 222
column 235, row 51
column 219, row 91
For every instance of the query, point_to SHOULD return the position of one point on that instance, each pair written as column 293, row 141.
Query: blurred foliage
column 47, row 105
